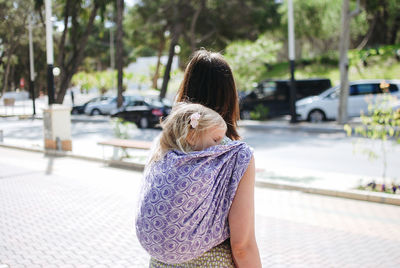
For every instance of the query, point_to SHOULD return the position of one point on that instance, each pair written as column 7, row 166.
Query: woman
column 208, row 80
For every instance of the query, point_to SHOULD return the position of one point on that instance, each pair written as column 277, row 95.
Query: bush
column 382, row 123
column 260, row 113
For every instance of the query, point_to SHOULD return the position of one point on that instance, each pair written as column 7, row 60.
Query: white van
column 361, row 94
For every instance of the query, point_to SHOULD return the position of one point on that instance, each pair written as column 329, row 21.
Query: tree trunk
column 394, row 31
column 61, row 45
column 120, row 50
column 195, row 18
column 368, row 35
column 157, row 71
column 344, row 63
column 69, row 69
column 175, row 37
column 7, row 71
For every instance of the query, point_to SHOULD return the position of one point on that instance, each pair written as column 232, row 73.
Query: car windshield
column 268, row 88
column 155, row 102
column 333, row 92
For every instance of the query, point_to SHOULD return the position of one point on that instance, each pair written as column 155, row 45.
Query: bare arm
column 241, row 222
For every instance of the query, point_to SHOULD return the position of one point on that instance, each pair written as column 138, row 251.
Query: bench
column 124, row 144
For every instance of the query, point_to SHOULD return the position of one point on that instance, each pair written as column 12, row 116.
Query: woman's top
column 185, row 201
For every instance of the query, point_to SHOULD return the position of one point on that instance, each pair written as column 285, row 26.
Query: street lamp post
column 49, row 53
column 31, row 65
column 291, row 50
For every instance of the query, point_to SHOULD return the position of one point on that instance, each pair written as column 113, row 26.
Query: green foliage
column 14, row 57
column 382, row 20
column 249, row 59
column 260, row 113
column 103, row 80
column 121, row 128
column 100, row 80
column 317, row 25
column 314, row 17
column 384, row 65
column 372, row 54
column 381, row 123
column 121, row 131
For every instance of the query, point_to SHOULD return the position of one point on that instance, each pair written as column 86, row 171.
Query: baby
column 190, row 127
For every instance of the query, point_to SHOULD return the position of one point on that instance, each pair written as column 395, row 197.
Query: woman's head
column 191, row 127
column 208, row 80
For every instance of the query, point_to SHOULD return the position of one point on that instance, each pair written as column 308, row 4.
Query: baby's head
column 192, row 127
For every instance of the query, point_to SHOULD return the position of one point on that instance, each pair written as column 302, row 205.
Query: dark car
column 144, row 112
column 275, row 95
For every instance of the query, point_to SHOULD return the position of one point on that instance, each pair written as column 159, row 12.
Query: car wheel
column 95, row 112
column 246, row 115
column 316, row 116
column 143, row 123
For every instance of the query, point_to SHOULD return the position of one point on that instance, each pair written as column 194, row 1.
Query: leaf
column 348, row 129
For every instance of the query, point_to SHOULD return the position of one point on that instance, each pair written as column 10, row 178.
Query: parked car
column 103, row 105
column 275, row 95
column 144, row 112
column 361, row 94
column 80, row 109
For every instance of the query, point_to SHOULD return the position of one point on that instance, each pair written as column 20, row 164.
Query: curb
column 248, row 124
column 122, row 164
column 349, row 194
column 320, row 128
column 76, row 119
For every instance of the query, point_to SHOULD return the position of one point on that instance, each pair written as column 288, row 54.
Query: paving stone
column 69, row 220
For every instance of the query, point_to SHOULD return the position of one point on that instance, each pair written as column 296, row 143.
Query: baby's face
column 211, row 137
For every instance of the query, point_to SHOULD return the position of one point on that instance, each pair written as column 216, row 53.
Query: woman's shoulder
column 238, row 143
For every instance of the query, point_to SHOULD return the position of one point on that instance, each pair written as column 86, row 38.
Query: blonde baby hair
column 179, row 127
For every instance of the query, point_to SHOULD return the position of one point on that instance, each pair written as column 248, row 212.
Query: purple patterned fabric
column 185, row 201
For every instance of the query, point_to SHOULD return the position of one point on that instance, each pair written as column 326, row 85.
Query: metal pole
column 31, row 65
column 49, row 52
column 292, row 101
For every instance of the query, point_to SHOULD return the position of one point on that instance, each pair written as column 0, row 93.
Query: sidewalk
column 277, row 176
column 59, row 212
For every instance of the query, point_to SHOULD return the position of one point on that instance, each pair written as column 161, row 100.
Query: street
column 281, row 149
column 64, row 212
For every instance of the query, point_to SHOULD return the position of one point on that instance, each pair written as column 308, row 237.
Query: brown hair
column 178, row 131
column 208, row 80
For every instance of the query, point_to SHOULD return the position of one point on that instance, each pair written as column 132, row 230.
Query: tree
column 13, row 16
column 78, row 18
column 120, row 50
column 381, row 123
column 217, row 28
column 383, row 20
column 248, row 59
column 177, row 25
column 146, row 33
